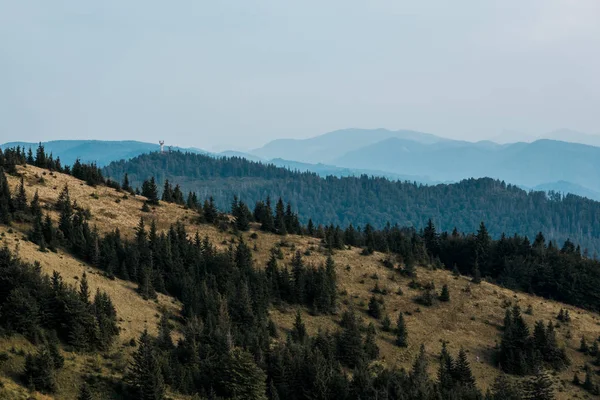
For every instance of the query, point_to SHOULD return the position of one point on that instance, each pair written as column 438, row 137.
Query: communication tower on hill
column 162, row 146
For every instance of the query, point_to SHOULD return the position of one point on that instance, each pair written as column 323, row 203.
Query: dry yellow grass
column 470, row 320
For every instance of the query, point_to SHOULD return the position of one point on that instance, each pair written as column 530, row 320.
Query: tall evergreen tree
column 401, row 331
column 145, row 376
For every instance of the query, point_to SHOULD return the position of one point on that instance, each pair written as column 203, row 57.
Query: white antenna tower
column 162, row 146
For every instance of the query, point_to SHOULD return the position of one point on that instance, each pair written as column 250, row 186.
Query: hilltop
column 370, row 200
column 471, row 320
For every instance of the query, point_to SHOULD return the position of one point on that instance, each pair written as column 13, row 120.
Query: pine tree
column 210, row 210
column 150, row 191
column 84, row 289
column 85, row 393
column 349, row 342
column 504, row 389
column 39, row 371
column 462, row 370
column 370, row 346
column 386, row 324
column 419, row 376
column 144, row 375
column 5, row 199
column 21, row 197
column 164, row 341
column 299, row 329
column 280, row 226
column 125, row 185
column 401, row 332
column 446, row 370
column 240, row 378
column 34, row 207
column 588, row 384
column 445, row 294
column 539, row 387
column 374, row 308
column 583, row 347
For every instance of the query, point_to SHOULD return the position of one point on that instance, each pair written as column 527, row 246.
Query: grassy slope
column 470, row 320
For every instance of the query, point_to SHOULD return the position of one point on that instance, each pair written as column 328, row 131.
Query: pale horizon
column 236, row 75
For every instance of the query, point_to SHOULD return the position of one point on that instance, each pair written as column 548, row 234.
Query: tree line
column 376, row 201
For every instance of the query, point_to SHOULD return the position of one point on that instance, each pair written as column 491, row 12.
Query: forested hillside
column 377, row 201
column 272, row 309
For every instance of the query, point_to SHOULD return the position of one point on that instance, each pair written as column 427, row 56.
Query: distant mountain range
column 542, row 164
column 546, row 164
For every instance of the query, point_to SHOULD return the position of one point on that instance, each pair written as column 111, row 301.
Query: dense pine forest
column 230, row 347
column 375, row 201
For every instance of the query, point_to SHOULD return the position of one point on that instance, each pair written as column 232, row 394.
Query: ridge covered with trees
column 230, row 347
column 376, row 201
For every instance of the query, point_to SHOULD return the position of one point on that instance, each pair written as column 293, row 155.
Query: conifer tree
column 446, row 370
column 539, row 387
column 21, row 197
column 240, row 378
column 125, row 185
column 445, row 294
column 144, row 375
column 39, row 371
column 210, row 210
column 374, row 308
column 349, row 342
column 280, row 225
column 164, row 341
column 386, row 323
column 505, row 389
column 85, row 393
column 462, row 370
column 5, row 199
column 370, row 346
column 84, row 289
column 401, row 331
column 150, row 191
column 299, row 329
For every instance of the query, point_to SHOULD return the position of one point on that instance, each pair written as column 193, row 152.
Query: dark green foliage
column 455, row 378
column 509, row 260
column 349, row 341
column 6, row 203
column 85, row 393
column 445, row 294
column 427, row 298
column 583, row 347
column 375, row 308
column 31, row 303
column 386, row 324
column 150, row 191
column 145, row 376
column 522, row 354
column 370, row 346
column 20, row 200
column 539, row 387
column 505, row 389
column 238, row 377
column 299, row 330
column 242, row 214
column 210, row 211
column 401, row 332
column 39, row 373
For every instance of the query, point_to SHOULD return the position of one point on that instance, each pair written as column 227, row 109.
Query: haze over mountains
column 563, row 160
column 545, row 164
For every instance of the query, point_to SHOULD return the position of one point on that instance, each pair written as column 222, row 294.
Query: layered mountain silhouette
column 549, row 164
column 555, row 163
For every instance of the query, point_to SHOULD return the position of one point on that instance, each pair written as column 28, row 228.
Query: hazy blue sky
column 239, row 73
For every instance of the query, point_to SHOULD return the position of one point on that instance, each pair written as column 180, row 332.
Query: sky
column 237, row 74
